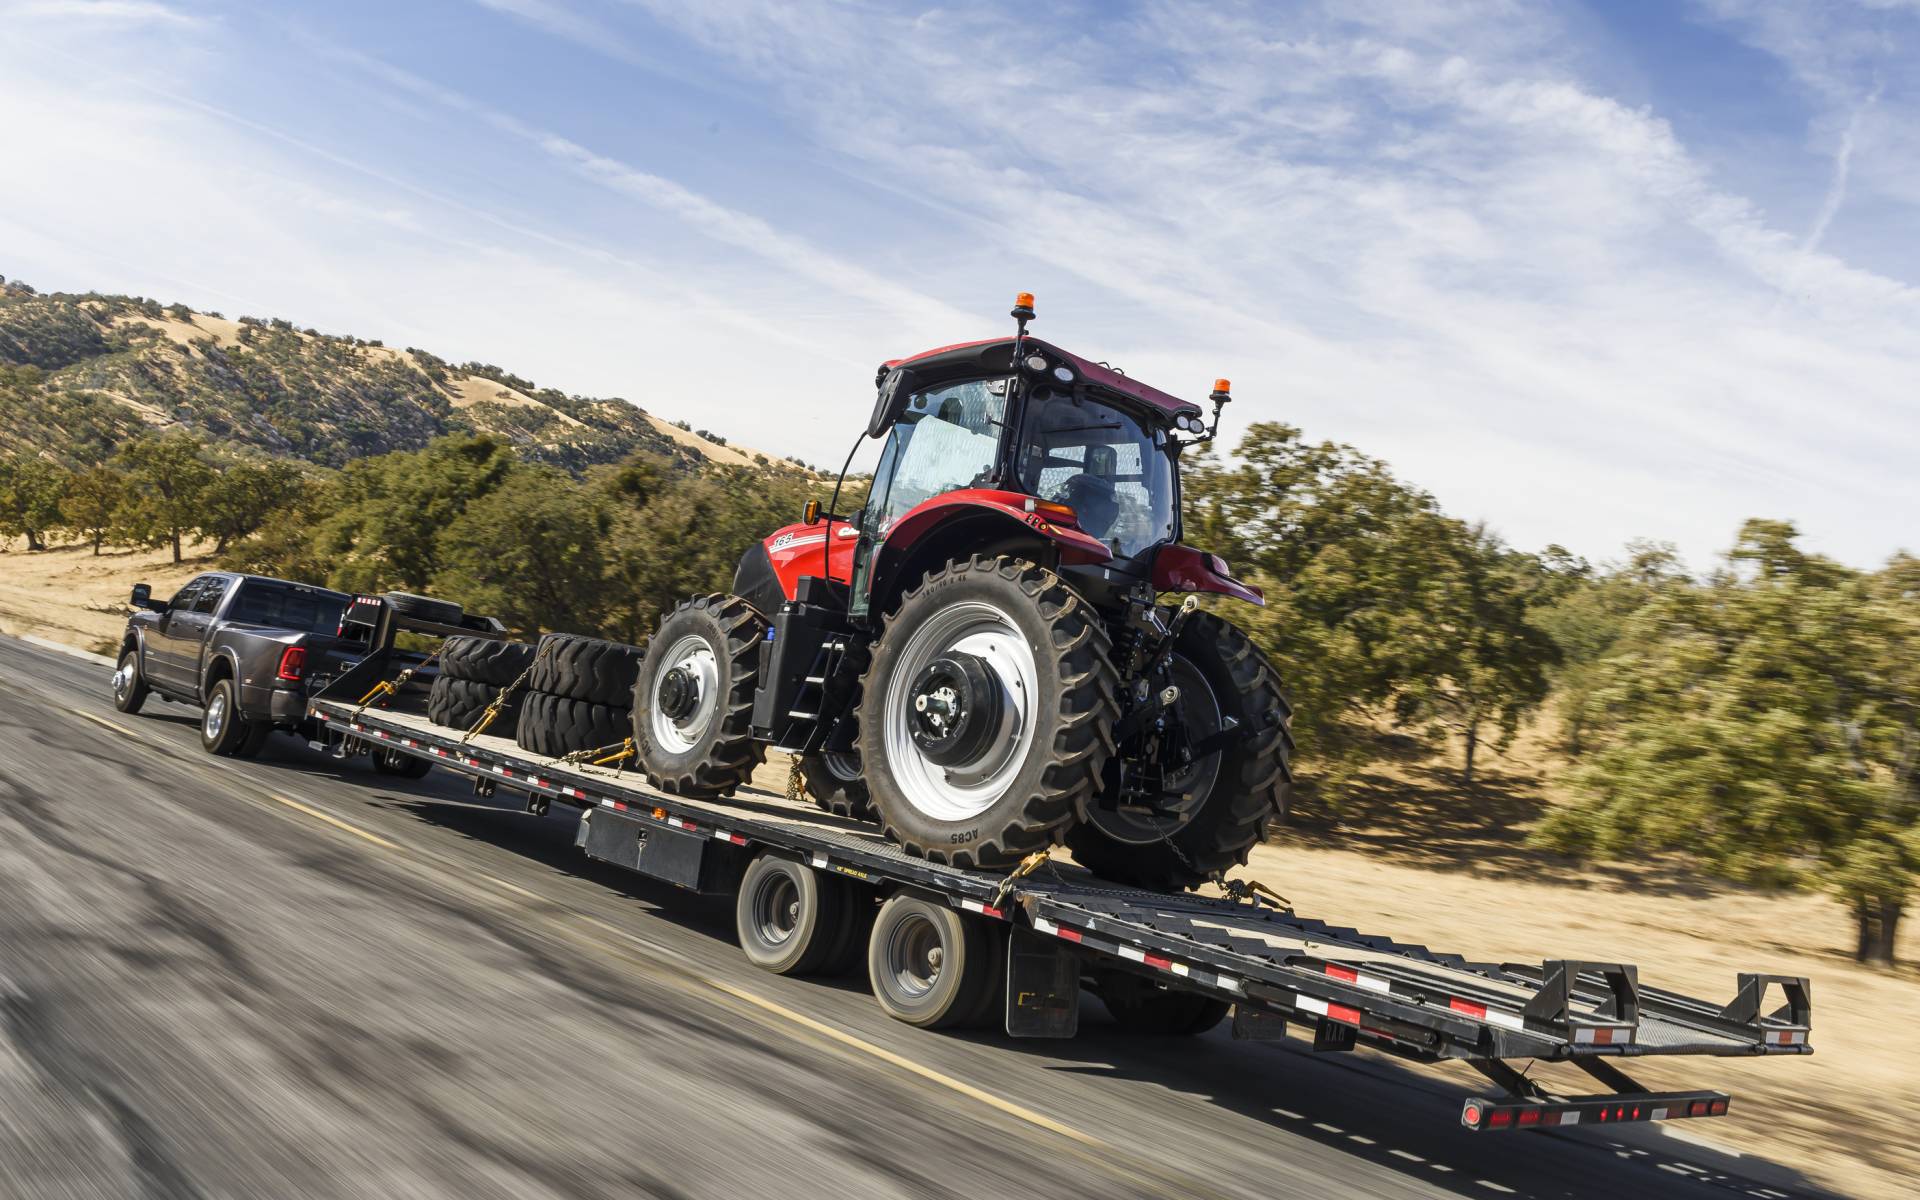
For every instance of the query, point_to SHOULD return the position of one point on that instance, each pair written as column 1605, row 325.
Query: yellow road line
column 334, row 821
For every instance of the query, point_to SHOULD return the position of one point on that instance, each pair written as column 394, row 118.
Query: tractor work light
column 1036, row 363
column 1063, row 374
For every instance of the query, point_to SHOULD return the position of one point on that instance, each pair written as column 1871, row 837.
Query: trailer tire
column 790, row 918
column 424, row 608
column 1140, row 1006
column 929, row 964
column 1249, row 785
column 837, row 785
column 693, row 697
column 458, row 703
column 388, row 761
column 584, row 668
column 485, row 660
column 553, row 726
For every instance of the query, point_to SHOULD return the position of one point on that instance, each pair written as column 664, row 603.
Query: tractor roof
column 994, row 356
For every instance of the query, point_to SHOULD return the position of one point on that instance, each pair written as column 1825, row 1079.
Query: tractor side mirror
column 896, row 388
column 143, row 598
column 810, row 513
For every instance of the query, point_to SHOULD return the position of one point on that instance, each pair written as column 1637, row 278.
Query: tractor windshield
column 1114, row 472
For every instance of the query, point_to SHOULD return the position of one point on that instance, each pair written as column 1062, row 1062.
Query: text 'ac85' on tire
column 987, row 714
column 1216, row 806
column 693, row 702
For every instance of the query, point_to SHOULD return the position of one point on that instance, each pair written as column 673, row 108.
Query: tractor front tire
column 1249, row 783
column 693, row 701
column 986, row 716
column 837, row 783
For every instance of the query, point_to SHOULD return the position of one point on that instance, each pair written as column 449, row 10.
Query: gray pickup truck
column 246, row 648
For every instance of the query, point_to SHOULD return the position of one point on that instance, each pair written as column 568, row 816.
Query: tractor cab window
column 1113, row 471
column 947, row 439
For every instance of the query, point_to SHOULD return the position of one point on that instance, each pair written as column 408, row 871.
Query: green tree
column 1479, row 661
column 169, row 476
column 239, row 499
column 532, row 553
column 1767, row 722
column 31, row 490
column 93, row 502
column 1588, row 617
column 389, row 510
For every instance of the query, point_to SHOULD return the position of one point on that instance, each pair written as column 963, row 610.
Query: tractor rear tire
column 837, row 784
column 584, row 668
column 1019, row 665
column 1249, row 786
column 693, row 700
column 553, row 726
column 485, row 660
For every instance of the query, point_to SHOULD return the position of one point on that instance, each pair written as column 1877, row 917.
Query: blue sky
column 1588, row 272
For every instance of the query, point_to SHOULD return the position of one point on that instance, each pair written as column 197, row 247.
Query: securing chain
column 499, row 702
column 399, row 681
column 796, row 781
column 609, row 755
column 1028, row 865
column 1252, row 891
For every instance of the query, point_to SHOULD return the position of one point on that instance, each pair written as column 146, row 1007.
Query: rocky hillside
column 80, row 373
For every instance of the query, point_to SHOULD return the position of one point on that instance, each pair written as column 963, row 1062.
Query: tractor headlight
column 1036, row 363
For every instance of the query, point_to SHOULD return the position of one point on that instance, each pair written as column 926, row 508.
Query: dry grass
column 69, row 596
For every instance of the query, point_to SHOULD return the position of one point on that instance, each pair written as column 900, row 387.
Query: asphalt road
column 291, row 977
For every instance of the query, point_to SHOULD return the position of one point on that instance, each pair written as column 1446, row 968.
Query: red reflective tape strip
column 1343, row 1014
column 1072, row 935
column 1477, row 1011
column 1345, row 973
column 1163, row 964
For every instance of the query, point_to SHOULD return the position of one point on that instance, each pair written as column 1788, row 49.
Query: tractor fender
column 929, row 516
column 1178, row 568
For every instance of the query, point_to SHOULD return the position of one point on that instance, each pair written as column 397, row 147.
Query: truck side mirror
column 810, row 512
column 143, row 597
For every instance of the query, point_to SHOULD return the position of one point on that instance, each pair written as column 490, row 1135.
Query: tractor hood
column 994, row 356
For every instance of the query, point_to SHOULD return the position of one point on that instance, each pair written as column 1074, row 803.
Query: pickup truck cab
column 243, row 647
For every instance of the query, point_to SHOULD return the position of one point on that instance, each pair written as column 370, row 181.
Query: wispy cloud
column 121, row 12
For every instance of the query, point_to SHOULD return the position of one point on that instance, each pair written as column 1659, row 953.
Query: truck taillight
column 293, row 664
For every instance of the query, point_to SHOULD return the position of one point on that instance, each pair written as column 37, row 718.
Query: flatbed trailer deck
column 1283, row 974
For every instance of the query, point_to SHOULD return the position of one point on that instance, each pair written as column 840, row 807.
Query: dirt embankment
column 67, row 595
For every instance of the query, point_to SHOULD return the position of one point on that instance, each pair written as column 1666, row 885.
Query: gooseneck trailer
column 947, row 946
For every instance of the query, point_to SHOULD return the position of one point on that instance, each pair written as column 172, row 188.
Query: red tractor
column 978, row 657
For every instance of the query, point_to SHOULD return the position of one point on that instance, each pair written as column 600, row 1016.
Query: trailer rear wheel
column 929, row 964
column 791, row 919
column 1141, row 1006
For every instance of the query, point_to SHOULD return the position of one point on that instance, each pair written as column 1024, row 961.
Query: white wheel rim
column 963, row 791
column 123, row 680
column 216, row 714
column 693, row 655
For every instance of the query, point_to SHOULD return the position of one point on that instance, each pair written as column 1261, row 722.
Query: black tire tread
column 735, row 752
column 1256, row 796
column 584, row 668
column 485, row 660
column 552, row 726
column 1083, row 740
column 457, row 704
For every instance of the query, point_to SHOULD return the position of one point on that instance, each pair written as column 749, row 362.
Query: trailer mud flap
column 684, row 859
column 1043, row 987
column 1258, row 1024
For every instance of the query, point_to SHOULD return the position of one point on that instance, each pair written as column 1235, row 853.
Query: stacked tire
column 580, row 695
column 473, row 671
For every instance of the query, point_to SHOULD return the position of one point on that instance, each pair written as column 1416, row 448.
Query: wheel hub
column 956, row 709
column 679, row 694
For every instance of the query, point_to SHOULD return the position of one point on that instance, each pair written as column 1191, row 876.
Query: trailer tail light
column 293, row 664
column 1480, row 1114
